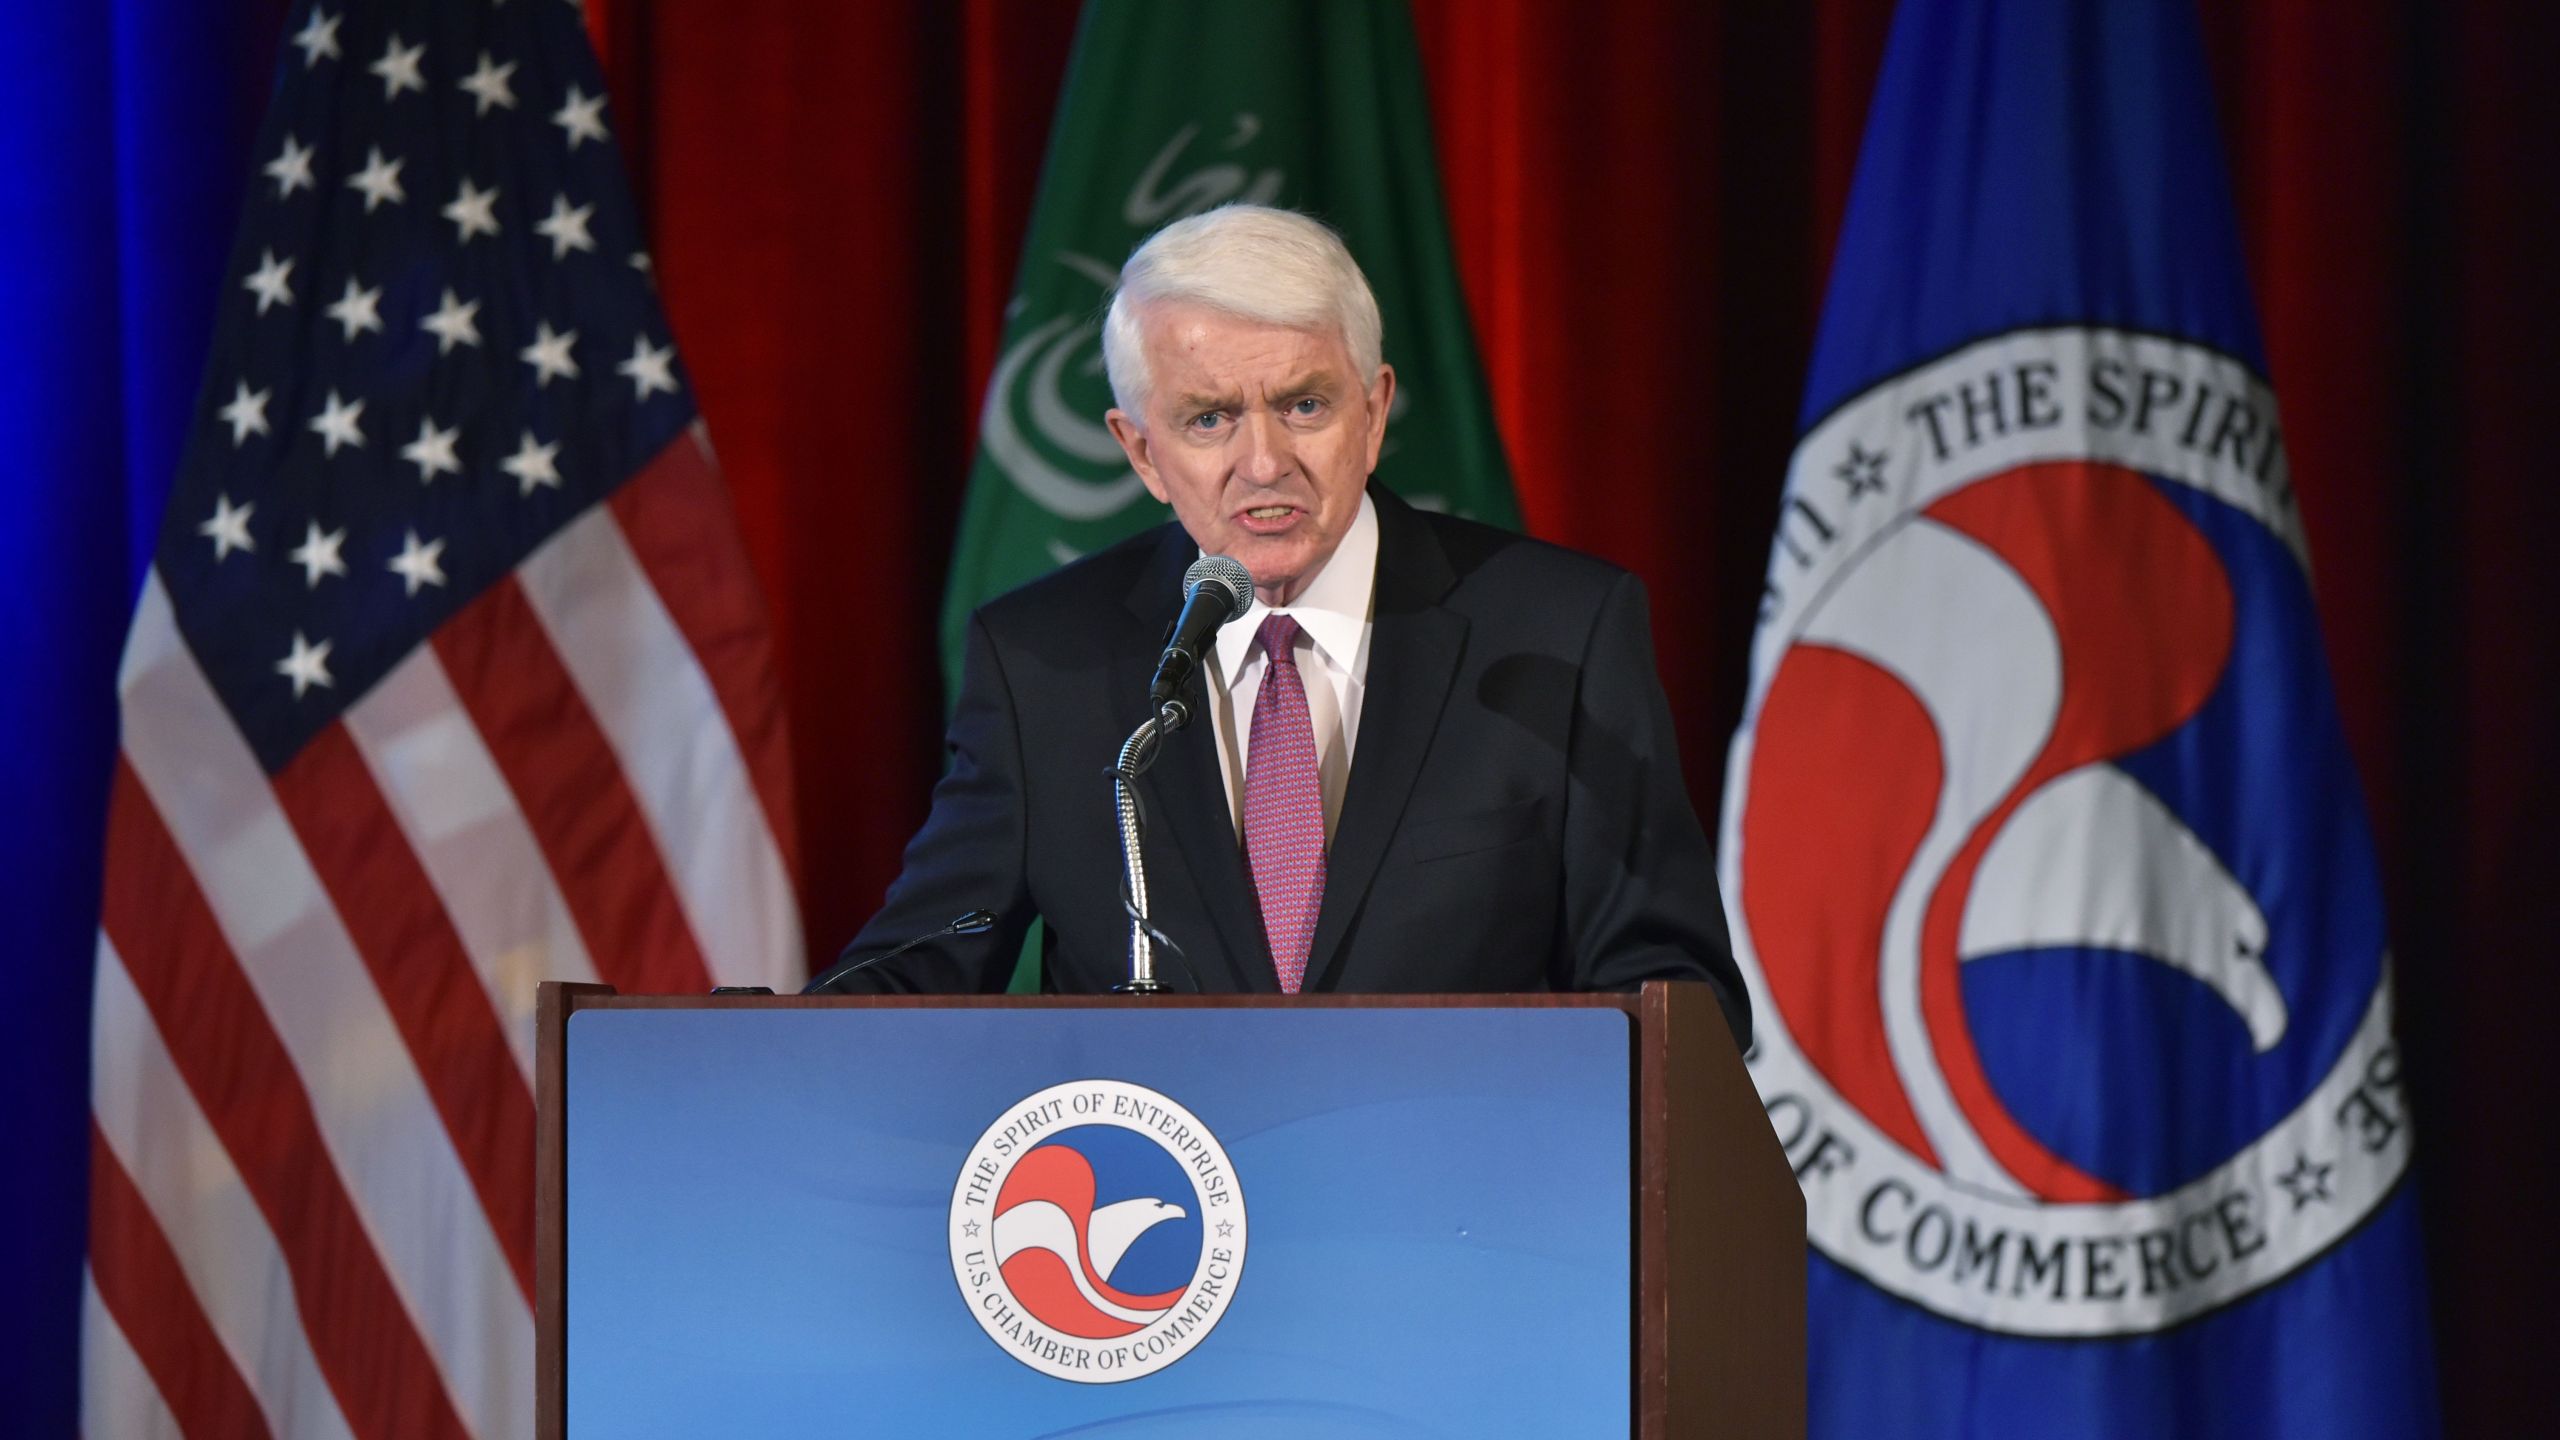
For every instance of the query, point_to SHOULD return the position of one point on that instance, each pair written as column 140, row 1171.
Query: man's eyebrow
column 1192, row 402
column 1311, row 383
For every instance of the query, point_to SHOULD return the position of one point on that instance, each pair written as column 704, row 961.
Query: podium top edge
column 574, row 997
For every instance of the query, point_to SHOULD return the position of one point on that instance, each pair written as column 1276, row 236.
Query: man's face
column 1260, row 437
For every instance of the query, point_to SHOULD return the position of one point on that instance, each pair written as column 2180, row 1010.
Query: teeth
column 1269, row 512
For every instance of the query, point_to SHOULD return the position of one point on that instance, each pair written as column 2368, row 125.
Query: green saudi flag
column 1315, row 106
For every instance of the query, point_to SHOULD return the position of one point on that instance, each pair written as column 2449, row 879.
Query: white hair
column 1259, row 263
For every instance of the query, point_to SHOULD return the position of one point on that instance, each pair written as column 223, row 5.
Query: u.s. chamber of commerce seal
column 1097, row 1231
column 2047, row 870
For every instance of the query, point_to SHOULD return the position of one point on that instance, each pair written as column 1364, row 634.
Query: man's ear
column 1133, row 443
column 1381, row 398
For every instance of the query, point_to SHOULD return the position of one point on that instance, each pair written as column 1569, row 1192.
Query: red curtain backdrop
column 1643, row 197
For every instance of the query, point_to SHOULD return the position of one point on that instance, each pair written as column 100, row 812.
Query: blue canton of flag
column 443, row 347
column 449, row 677
column 2044, row 857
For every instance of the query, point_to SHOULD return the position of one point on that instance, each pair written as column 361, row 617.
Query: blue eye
column 1307, row 405
column 1207, row 420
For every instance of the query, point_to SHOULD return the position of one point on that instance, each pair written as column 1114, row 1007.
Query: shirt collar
column 1334, row 608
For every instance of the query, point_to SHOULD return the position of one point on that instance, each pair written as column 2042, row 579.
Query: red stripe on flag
column 143, row 1287
column 219, row 1036
column 426, row 978
column 573, row 795
column 675, row 514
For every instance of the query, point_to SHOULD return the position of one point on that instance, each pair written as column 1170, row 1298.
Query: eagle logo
column 2042, row 852
column 1059, row 1251
column 1097, row 1231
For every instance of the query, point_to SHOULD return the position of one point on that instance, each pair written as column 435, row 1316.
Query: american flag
column 449, row 676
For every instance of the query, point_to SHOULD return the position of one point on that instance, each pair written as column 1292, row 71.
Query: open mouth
column 1266, row 519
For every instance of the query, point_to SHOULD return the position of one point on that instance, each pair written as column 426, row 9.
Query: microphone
column 973, row 923
column 1215, row 590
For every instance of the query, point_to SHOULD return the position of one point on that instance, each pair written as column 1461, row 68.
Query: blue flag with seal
column 2047, row 866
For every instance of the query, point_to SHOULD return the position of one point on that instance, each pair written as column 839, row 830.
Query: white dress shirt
column 1333, row 615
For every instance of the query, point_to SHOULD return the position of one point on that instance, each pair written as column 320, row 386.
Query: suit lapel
column 1414, row 646
column 1185, row 796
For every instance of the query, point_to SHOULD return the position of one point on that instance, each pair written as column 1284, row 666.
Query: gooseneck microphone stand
column 1215, row 590
column 1135, row 756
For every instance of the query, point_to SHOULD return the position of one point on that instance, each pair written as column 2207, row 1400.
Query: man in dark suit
column 1516, row 817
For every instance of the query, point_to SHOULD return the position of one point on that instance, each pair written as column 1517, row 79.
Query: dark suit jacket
column 1515, row 817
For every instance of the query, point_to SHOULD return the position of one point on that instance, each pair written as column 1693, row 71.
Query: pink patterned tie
column 1284, row 807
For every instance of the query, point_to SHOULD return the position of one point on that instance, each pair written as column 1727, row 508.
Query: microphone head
column 975, row 922
column 1227, row 576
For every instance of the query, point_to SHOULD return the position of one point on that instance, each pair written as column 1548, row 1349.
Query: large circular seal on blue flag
column 2047, row 867
column 1097, row 1231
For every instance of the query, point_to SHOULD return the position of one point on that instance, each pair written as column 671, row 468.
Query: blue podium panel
column 1106, row 1223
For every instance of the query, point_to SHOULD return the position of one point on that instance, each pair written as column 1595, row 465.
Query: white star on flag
column 379, row 180
column 649, row 368
column 533, row 465
column 432, row 451
column 338, row 423
column 398, row 68
column 473, row 211
column 229, row 528
column 567, row 228
column 549, row 355
column 488, row 85
column 247, row 413
column 307, row 666
column 318, row 554
column 452, row 323
column 272, row 282
column 419, row 564
column 358, row 310
column 292, row 168
column 318, row 37
column 582, row 117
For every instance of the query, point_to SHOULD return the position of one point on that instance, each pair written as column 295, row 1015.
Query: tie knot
column 1279, row 635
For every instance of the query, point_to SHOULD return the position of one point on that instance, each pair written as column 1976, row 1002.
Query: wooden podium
column 1714, row 1243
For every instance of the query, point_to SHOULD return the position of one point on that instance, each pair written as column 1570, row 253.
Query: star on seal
column 1862, row 472
column 2305, row 1182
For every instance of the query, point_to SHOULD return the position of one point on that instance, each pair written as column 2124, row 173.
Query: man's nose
column 1265, row 455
